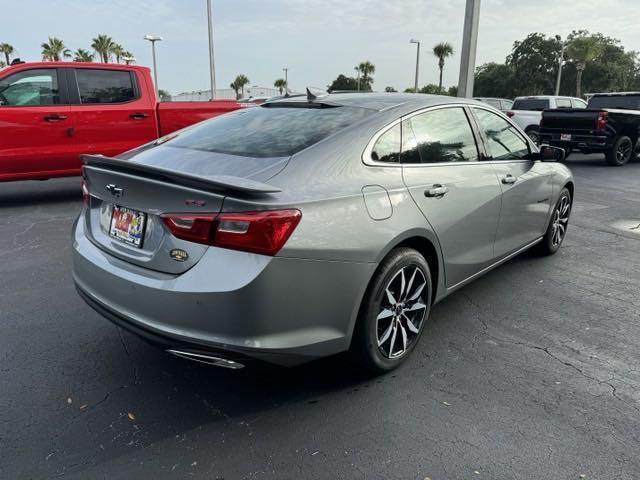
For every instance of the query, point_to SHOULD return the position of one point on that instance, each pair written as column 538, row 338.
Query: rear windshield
column 530, row 104
column 268, row 131
column 624, row 102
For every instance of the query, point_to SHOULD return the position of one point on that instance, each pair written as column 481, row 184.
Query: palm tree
column 240, row 81
column 442, row 51
column 2, row 64
column 582, row 50
column 118, row 51
column 235, row 87
column 82, row 55
column 128, row 57
column 7, row 50
column 103, row 45
column 280, row 84
column 53, row 49
column 367, row 69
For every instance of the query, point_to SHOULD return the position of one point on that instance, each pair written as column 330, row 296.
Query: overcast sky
column 317, row 40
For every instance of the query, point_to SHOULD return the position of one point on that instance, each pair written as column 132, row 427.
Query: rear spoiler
column 210, row 183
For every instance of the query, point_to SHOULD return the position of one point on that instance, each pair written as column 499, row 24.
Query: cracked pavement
column 532, row 371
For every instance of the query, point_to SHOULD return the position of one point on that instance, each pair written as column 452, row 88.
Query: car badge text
column 179, row 255
column 114, row 190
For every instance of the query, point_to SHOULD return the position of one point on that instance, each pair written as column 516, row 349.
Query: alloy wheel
column 623, row 153
column 560, row 221
column 402, row 312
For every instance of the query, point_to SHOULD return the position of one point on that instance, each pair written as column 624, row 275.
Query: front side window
column 503, row 140
column 438, row 136
column 387, row 147
column 30, row 87
column 507, row 104
column 104, row 86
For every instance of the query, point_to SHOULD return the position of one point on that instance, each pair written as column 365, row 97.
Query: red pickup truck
column 51, row 112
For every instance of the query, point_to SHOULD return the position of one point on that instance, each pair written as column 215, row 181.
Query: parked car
column 51, row 112
column 526, row 112
column 610, row 124
column 499, row 103
column 310, row 226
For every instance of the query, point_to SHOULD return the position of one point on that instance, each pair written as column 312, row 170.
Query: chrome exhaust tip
column 208, row 359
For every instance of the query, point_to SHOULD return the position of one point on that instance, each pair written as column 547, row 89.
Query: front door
column 526, row 185
column 35, row 122
column 458, row 195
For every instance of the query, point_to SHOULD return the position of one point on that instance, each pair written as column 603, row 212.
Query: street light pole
column 153, row 39
column 469, row 44
column 212, row 67
column 560, row 62
column 286, row 79
column 415, row 86
column 357, row 69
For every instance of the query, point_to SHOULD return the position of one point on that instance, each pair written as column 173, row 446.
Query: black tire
column 550, row 244
column 370, row 328
column 534, row 134
column 620, row 152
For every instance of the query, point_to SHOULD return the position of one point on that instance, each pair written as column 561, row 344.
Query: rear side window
column 105, row 86
column 531, row 104
column 578, row 103
column 387, row 147
column 438, row 136
column 506, row 104
column 623, row 102
column 503, row 140
column 563, row 103
column 30, row 87
column 267, row 131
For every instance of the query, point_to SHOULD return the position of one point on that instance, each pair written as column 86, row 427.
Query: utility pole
column 469, row 44
column 286, row 80
column 560, row 62
column 212, row 67
column 415, row 87
column 357, row 69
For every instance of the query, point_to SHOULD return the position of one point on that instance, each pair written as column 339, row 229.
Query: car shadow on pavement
column 29, row 193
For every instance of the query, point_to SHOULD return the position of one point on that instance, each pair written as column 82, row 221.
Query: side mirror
column 548, row 153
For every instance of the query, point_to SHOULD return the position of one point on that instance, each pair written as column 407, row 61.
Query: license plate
column 565, row 137
column 127, row 225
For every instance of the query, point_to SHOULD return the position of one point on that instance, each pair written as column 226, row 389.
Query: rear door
column 458, row 195
column 35, row 120
column 112, row 114
column 526, row 186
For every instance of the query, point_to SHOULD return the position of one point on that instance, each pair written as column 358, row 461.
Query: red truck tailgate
column 173, row 116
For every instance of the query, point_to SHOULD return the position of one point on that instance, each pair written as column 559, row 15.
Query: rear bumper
column 284, row 311
column 594, row 143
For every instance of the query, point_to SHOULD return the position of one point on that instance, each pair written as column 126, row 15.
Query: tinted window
column 31, row 87
column 624, row 102
column 267, row 131
column 530, row 104
column 563, row 103
column 387, row 147
column 578, row 103
column 104, row 86
column 442, row 135
column 503, row 140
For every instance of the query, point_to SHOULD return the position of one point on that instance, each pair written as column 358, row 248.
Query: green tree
column 442, row 50
column 2, row 64
column 389, row 89
column 344, row 83
column 494, row 80
column 534, row 61
column 54, row 49
column 128, row 57
column 163, row 94
column 82, row 55
column 7, row 50
column 103, row 45
column 582, row 50
column 241, row 80
column 280, row 84
column 432, row 89
column 366, row 69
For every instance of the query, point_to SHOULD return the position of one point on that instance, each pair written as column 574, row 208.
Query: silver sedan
column 310, row 226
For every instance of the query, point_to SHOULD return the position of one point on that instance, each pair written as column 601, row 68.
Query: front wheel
column 393, row 312
column 621, row 151
column 534, row 135
column 557, row 229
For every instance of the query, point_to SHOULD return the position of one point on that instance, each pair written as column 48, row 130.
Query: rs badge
column 179, row 255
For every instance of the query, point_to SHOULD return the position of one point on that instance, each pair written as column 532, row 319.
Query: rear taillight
column 510, row 114
column 263, row 232
column 85, row 194
column 601, row 122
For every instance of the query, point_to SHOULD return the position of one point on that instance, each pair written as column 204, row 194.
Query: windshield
column 530, row 104
column 268, row 131
column 624, row 102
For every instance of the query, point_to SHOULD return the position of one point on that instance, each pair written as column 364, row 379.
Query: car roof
column 493, row 98
column 23, row 65
column 544, row 97
column 379, row 101
column 613, row 94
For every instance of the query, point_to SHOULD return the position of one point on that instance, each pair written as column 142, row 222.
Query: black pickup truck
column 610, row 124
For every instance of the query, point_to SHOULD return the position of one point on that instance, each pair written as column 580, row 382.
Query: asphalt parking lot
column 532, row 371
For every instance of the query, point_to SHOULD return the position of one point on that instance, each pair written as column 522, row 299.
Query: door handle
column 54, row 117
column 138, row 115
column 509, row 179
column 436, row 191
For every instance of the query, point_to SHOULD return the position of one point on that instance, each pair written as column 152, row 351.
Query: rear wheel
column 394, row 311
column 534, row 134
column 621, row 151
column 557, row 229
